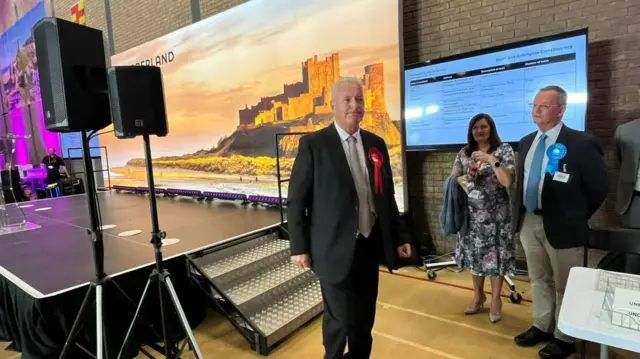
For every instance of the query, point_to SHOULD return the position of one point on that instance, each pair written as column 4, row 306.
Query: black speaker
column 73, row 76
column 11, row 181
column 137, row 101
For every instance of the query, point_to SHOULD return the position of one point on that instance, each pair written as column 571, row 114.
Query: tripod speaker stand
column 72, row 67
column 137, row 101
column 160, row 276
column 96, row 286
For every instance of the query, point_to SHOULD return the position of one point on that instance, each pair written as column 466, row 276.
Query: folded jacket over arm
column 454, row 215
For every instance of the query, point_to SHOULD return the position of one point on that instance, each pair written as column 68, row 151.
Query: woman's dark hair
column 494, row 139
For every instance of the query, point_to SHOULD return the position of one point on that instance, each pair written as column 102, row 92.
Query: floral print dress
column 488, row 248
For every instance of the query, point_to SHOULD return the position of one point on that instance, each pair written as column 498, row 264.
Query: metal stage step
column 253, row 282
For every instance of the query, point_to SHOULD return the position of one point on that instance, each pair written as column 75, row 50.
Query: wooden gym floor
column 416, row 319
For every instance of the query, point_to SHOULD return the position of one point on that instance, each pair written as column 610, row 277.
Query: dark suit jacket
column 567, row 207
column 322, row 208
column 628, row 145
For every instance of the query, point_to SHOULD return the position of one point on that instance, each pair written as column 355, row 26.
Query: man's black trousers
column 350, row 306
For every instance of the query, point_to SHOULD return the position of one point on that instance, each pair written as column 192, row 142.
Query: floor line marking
column 416, row 345
column 409, row 276
column 448, row 321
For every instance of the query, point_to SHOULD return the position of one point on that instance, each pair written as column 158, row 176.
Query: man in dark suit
column 628, row 194
column 342, row 215
column 561, row 182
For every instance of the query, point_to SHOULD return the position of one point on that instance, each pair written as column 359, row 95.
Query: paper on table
column 627, row 301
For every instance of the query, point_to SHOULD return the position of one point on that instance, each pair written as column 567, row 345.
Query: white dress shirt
column 344, row 135
column 552, row 137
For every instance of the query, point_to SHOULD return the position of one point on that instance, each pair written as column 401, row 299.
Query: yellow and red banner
column 77, row 13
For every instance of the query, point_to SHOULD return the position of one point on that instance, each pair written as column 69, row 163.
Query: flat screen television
column 71, row 146
column 441, row 96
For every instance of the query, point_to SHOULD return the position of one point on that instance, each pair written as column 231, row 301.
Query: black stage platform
column 46, row 270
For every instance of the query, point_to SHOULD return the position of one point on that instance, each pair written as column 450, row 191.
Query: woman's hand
column 484, row 157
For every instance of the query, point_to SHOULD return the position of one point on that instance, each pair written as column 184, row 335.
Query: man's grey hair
column 562, row 94
column 343, row 80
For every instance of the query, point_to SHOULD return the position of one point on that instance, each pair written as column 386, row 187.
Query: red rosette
column 375, row 156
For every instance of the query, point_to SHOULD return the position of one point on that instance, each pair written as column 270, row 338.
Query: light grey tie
column 362, row 187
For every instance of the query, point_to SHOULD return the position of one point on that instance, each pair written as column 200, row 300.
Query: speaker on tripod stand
column 73, row 84
column 137, row 103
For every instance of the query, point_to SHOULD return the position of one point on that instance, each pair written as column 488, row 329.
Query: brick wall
column 135, row 23
column 94, row 11
column 437, row 28
column 212, row 7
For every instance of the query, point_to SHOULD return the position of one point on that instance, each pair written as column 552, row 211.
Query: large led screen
column 234, row 80
column 442, row 96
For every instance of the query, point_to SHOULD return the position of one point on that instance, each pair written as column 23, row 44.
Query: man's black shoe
column 532, row 337
column 557, row 349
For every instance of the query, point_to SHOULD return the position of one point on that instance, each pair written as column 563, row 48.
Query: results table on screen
column 443, row 104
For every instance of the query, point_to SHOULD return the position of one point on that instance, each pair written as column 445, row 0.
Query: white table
column 581, row 315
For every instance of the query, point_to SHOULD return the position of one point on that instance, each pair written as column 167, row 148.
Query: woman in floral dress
column 485, row 168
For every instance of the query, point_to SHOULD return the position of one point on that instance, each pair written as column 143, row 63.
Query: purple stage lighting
column 50, row 139
column 183, row 192
column 208, row 195
column 19, row 126
column 226, row 195
column 125, row 188
column 266, row 200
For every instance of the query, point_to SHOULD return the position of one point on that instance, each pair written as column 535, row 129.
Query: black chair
column 615, row 240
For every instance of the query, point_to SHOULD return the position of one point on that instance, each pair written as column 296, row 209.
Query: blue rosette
column 552, row 167
column 555, row 153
